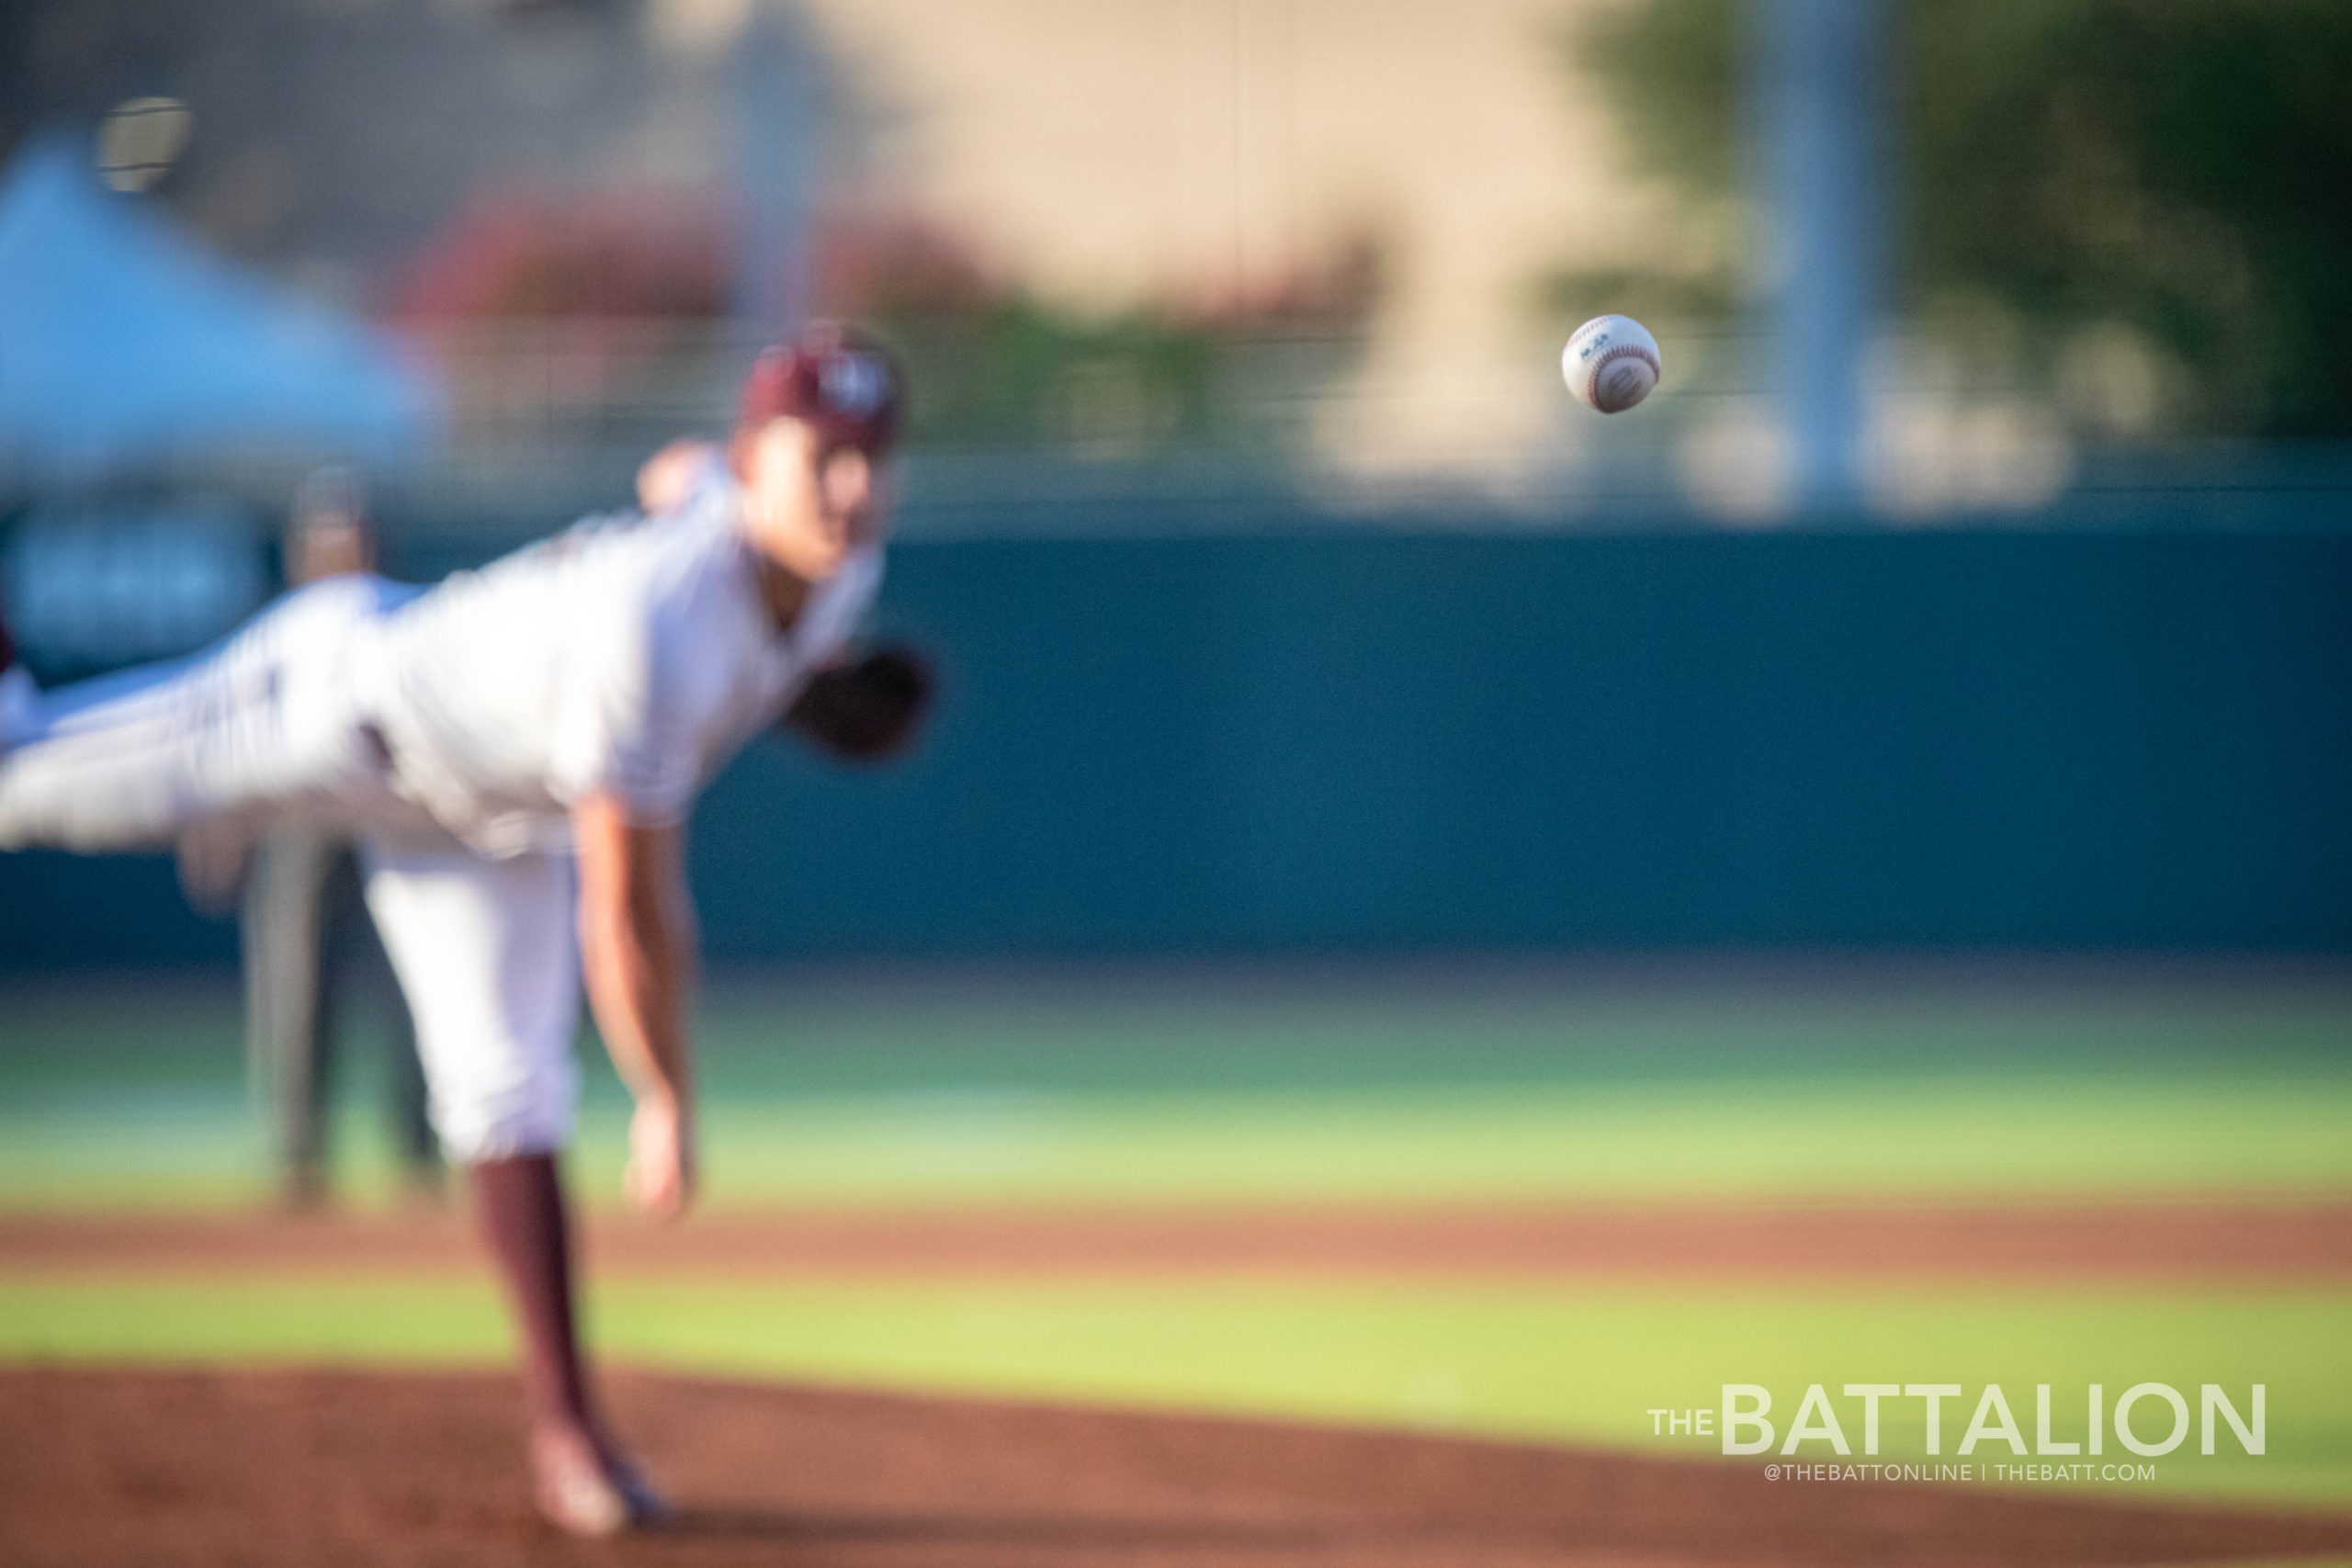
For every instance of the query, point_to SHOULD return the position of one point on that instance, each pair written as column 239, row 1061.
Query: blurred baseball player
column 308, row 944
column 516, row 751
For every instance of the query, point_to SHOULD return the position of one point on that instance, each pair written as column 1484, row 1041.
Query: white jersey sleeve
column 630, row 659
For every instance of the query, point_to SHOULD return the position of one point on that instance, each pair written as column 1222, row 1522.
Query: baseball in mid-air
column 1611, row 363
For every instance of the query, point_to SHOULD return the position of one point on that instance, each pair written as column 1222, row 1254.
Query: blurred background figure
column 310, row 949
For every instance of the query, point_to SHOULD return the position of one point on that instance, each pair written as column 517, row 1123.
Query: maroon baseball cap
column 836, row 379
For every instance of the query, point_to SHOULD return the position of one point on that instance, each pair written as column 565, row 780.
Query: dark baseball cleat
column 648, row 1509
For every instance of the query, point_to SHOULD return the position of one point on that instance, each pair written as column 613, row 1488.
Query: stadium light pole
column 1820, row 96
column 779, row 128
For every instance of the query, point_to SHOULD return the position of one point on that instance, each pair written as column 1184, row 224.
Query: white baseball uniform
column 452, row 732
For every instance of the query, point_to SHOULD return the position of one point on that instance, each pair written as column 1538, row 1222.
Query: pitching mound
column 100, row 1467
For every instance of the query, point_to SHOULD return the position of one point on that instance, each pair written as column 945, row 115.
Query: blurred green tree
column 2175, row 177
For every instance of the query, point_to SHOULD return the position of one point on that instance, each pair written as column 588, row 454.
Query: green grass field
column 1493, row 1085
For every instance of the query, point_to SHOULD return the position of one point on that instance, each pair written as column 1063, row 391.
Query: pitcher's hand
column 660, row 1178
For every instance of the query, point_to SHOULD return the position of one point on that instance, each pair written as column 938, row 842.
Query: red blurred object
column 884, row 264
column 513, row 256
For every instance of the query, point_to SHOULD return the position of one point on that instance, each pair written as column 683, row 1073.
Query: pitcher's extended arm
column 637, row 949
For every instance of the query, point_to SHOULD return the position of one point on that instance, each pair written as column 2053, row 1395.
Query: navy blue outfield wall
column 1326, row 741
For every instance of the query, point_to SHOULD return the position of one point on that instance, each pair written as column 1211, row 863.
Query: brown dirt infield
column 2171, row 1242
column 353, row 1468
column 103, row 1466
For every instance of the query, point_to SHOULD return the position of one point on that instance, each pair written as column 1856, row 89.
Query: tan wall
column 1114, row 149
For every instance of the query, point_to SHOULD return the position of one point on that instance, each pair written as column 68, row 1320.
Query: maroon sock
column 519, row 1201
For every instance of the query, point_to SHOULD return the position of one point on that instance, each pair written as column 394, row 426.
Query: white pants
column 486, row 954
column 271, row 727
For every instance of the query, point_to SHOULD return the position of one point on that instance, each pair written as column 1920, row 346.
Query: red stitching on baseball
column 1612, row 354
